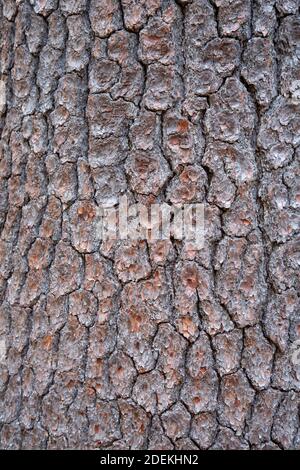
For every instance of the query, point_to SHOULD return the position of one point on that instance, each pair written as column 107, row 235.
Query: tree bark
column 121, row 344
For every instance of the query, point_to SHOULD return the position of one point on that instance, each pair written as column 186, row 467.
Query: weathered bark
column 146, row 345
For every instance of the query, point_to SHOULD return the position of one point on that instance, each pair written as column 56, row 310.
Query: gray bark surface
column 149, row 345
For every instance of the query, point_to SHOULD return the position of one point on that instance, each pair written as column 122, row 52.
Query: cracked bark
column 149, row 345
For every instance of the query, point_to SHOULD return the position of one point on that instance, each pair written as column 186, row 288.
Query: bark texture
column 142, row 345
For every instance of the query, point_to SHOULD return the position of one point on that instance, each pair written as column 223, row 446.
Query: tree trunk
column 149, row 344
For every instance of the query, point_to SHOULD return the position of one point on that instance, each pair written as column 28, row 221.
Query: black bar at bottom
column 135, row 459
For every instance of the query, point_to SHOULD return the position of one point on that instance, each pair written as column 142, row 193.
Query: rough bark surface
column 149, row 345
